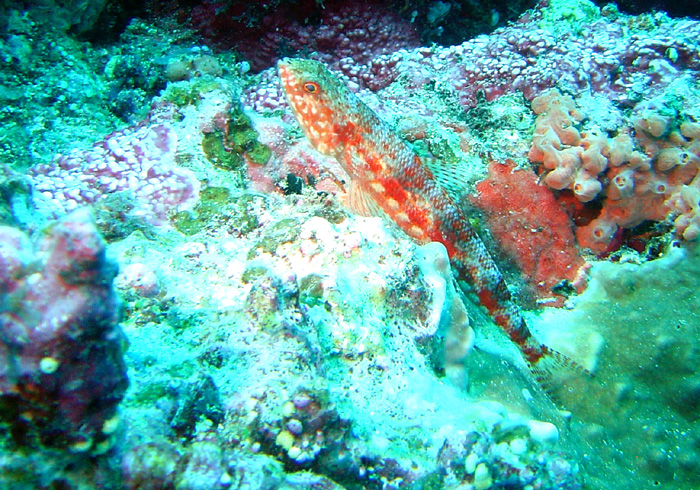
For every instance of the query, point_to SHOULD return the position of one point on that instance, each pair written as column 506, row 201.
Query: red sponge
column 531, row 226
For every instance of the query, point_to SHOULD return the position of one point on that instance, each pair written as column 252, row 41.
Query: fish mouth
column 283, row 67
column 284, row 70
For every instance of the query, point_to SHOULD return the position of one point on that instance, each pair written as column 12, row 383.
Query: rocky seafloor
column 187, row 302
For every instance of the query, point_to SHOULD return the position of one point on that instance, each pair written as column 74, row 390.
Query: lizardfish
column 389, row 179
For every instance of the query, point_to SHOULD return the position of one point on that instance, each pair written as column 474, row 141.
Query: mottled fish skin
column 386, row 170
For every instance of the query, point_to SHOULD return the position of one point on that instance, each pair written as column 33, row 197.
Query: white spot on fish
column 377, row 187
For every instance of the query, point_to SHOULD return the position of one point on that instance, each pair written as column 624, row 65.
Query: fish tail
column 552, row 369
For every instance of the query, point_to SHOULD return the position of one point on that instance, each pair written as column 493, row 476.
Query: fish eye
column 311, row 87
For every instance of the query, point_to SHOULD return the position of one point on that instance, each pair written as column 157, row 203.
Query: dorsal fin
column 451, row 177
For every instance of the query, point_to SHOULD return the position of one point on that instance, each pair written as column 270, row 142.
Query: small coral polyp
column 648, row 176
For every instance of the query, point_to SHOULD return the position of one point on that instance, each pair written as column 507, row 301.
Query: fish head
column 317, row 100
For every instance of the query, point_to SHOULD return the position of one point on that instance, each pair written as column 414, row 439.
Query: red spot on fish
column 487, row 299
column 394, row 190
column 374, row 162
column 418, row 217
column 348, row 134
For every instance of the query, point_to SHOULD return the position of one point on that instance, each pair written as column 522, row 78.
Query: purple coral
column 523, row 57
column 138, row 160
column 62, row 372
column 353, row 31
column 601, row 57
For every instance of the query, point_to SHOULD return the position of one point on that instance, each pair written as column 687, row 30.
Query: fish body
column 393, row 181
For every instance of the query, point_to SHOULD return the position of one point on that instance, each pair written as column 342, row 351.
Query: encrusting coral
column 62, row 371
column 139, row 161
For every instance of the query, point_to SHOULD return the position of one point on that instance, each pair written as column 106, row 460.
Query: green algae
column 116, row 219
column 275, row 234
column 228, row 148
column 568, row 15
column 311, row 290
column 142, row 311
column 218, row 154
column 253, row 272
column 152, row 392
column 217, row 207
column 182, row 94
column 192, row 222
column 181, row 320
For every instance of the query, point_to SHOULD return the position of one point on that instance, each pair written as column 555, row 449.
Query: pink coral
column 61, row 349
column 531, row 227
column 687, row 204
column 139, row 160
column 558, row 146
column 602, row 57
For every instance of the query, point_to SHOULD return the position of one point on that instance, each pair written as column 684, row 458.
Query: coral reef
column 62, row 371
column 306, row 25
column 312, row 301
column 310, row 429
column 570, row 48
column 357, row 32
column 278, row 340
column 675, row 9
column 62, row 94
column 78, row 16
